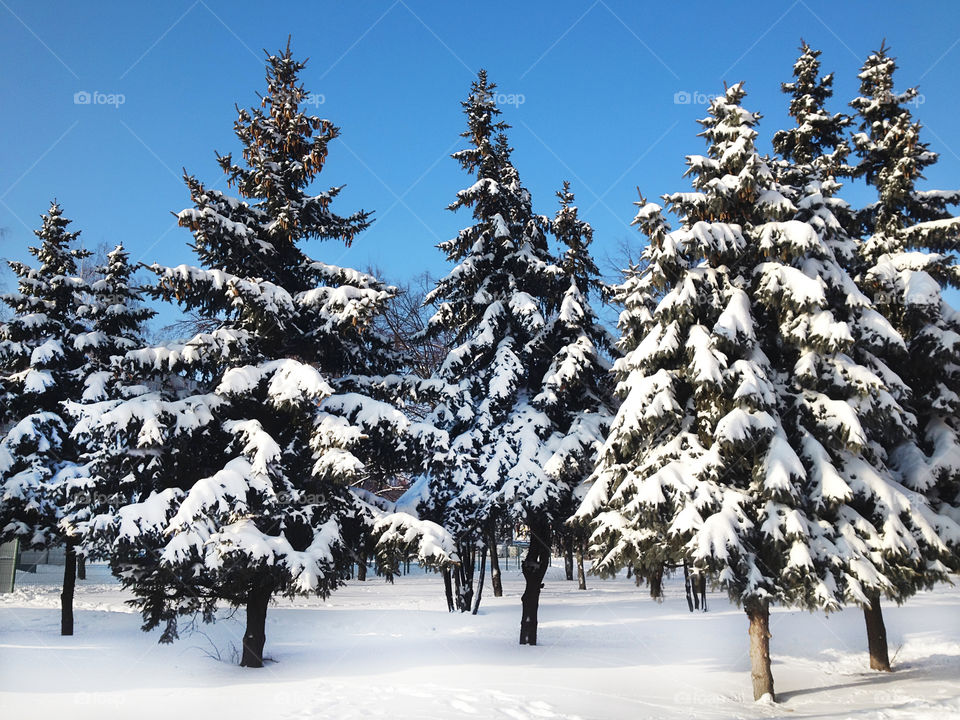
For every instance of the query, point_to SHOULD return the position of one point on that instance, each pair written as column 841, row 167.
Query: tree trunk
column 69, row 584
column 255, row 635
column 534, row 568
column 581, row 576
column 464, row 590
column 695, row 586
column 81, row 567
column 448, row 589
column 876, row 635
column 483, row 570
column 464, row 578
column 458, row 591
column 568, row 556
column 362, row 567
column 656, row 583
column 759, row 614
column 495, row 581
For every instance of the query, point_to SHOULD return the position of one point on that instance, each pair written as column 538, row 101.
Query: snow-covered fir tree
column 251, row 439
column 819, row 137
column 892, row 158
column 576, row 389
column 637, row 295
column 41, row 368
column 498, row 300
column 809, row 154
column 115, row 315
column 906, row 259
column 745, row 422
column 813, row 154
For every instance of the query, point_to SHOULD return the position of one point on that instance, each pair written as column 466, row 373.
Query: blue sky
column 590, row 88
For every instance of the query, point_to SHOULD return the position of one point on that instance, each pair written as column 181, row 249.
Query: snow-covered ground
column 379, row 651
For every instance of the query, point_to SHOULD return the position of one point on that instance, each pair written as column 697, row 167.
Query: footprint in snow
column 540, row 709
column 462, row 705
column 530, row 711
column 515, row 714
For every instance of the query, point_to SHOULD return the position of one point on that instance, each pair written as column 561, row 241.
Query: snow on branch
column 398, row 536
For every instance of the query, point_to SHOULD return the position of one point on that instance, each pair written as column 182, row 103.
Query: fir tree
column 41, row 368
column 892, row 158
column 496, row 300
column 117, row 317
column 735, row 392
column 819, row 138
column 907, row 258
column 576, row 391
column 813, row 155
column 115, row 313
column 252, row 436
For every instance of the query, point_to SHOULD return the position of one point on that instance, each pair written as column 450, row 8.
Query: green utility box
column 8, row 565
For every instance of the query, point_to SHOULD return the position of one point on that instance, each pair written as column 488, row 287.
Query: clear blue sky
column 598, row 82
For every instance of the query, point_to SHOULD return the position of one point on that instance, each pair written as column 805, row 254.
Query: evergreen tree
column 637, row 295
column 115, row 314
column 892, row 159
column 496, row 300
column 41, row 368
column 251, row 436
column 813, row 154
column 738, row 394
column 907, row 258
column 576, row 391
column 819, row 138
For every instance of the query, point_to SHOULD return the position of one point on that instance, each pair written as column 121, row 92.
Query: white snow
column 735, row 322
column 378, row 651
column 44, row 353
column 777, row 280
column 706, row 362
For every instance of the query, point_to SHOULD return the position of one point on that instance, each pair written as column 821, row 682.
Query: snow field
column 376, row 651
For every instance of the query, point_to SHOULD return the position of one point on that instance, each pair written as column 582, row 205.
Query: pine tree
column 892, row 159
column 116, row 316
column 496, row 300
column 41, row 369
column 737, row 392
column 252, row 434
column 576, row 391
column 454, row 496
column 906, row 259
column 819, row 137
column 813, row 155
column 637, row 295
